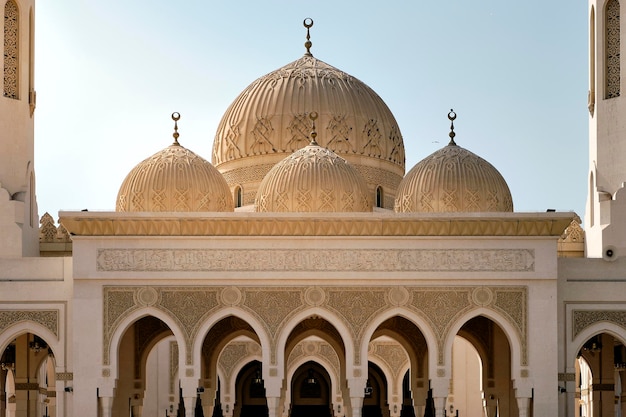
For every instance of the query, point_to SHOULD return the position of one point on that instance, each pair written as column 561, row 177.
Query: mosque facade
column 305, row 271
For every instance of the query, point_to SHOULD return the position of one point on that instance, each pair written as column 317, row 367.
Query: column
column 106, row 406
column 273, row 406
column 440, row 390
column 523, row 406
column 356, row 387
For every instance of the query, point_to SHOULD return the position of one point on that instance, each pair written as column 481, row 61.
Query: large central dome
column 268, row 122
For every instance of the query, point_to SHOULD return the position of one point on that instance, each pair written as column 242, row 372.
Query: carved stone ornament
column 581, row 319
column 357, row 307
column 315, row 224
column 64, row 376
column 327, row 260
column 47, row 318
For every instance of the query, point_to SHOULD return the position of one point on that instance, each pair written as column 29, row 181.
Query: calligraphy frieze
column 324, row 260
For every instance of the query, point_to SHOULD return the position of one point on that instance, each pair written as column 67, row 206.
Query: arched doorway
column 601, row 378
column 398, row 344
column 136, row 345
column 27, row 378
column 310, row 392
column 491, row 344
column 466, row 388
column 250, row 392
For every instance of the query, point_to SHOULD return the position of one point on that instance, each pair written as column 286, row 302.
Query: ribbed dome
column 313, row 179
column 267, row 122
column 174, row 179
column 451, row 180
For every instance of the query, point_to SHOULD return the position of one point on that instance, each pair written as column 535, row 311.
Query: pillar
column 273, row 406
column 523, row 406
column 356, row 388
column 106, row 406
column 440, row 389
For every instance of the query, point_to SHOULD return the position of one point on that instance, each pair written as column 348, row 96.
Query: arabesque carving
column 367, row 260
column 313, row 349
column 47, row 318
column 357, row 307
column 393, row 355
column 443, row 306
column 232, row 354
column 581, row 319
column 11, row 49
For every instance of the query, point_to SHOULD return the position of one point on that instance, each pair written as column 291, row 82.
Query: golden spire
column 451, row 117
column 313, row 117
column 176, row 118
column 308, row 23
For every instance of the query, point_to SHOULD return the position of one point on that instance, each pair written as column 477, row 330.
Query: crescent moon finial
column 313, row 116
column 176, row 118
column 452, row 117
column 308, row 23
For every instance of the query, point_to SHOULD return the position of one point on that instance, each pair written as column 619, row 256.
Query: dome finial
column 308, row 23
column 176, row 118
column 452, row 117
column 313, row 116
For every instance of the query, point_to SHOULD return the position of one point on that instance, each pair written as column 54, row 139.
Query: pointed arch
column 229, row 382
column 111, row 351
column 380, row 197
column 238, row 197
column 514, row 338
column 335, row 320
column 335, row 385
column 213, row 319
column 419, row 322
column 18, row 329
column 11, row 49
column 581, row 338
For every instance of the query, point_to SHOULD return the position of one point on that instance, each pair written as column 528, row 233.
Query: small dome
column 174, row 179
column 313, row 179
column 453, row 180
column 267, row 122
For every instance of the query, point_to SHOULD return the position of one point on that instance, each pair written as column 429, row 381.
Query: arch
column 124, row 325
column 511, row 333
column 213, row 319
column 417, row 320
column 337, row 322
column 230, row 383
column 18, row 329
column 238, row 196
column 380, row 197
column 392, row 383
column 612, row 49
column 11, row 49
column 595, row 329
column 335, row 385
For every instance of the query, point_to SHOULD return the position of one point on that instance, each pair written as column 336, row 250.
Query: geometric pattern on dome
column 453, row 180
column 174, row 180
column 268, row 122
column 313, row 179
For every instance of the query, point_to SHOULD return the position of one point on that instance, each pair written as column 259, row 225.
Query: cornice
column 315, row 224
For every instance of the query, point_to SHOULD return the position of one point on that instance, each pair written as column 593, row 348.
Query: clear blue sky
column 110, row 73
